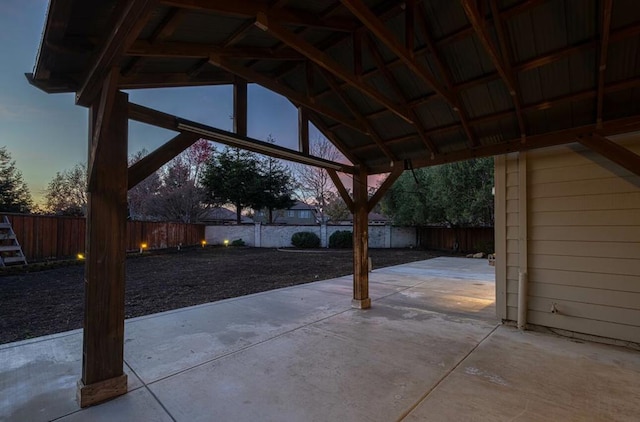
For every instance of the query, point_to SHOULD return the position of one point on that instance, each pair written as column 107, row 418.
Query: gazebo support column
column 361, row 298
column 103, row 342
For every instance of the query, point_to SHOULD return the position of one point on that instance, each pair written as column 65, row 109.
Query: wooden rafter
column 565, row 136
column 359, row 9
column 128, row 24
column 143, row 168
column 342, row 191
column 379, row 60
column 396, row 171
column 238, row 34
column 612, row 151
column 166, row 28
column 505, row 46
column 281, row 89
column 200, row 51
column 323, row 60
column 534, row 63
column 356, row 113
column 168, row 121
column 448, row 80
column 602, row 63
column 480, row 29
column 542, row 105
column 330, row 135
column 166, row 80
column 249, row 8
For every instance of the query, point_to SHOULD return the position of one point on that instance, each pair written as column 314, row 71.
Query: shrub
column 238, row 242
column 341, row 239
column 305, row 240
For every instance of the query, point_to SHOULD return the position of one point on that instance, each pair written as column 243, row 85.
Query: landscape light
column 143, row 246
column 226, row 242
column 203, row 243
column 80, row 256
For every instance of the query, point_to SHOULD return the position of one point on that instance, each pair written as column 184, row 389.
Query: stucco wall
column 273, row 236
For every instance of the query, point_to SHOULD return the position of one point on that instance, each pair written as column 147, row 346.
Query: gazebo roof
column 419, row 82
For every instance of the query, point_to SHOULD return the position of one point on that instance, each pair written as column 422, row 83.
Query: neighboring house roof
column 374, row 218
column 299, row 205
column 220, row 214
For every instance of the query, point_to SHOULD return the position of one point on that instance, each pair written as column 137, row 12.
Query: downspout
column 523, row 278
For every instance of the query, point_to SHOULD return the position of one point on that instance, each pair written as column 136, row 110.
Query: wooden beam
column 238, row 34
column 409, row 25
column 303, row 130
column 101, row 124
column 602, row 63
column 283, row 90
column 396, row 171
column 103, row 339
column 167, row 121
column 240, row 107
column 267, row 23
column 610, row 150
column 507, row 57
column 359, row 9
column 190, row 50
column 344, row 194
column 356, row 113
column 542, row 105
column 204, row 77
column 391, row 80
column 566, row 136
column 448, row 80
column 330, row 135
column 361, row 298
column 145, row 167
column 249, row 9
column 165, row 29
column 130, row 21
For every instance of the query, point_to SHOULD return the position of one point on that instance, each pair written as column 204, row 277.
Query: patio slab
column 430, row 348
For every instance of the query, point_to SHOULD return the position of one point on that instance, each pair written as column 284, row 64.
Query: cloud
column 19, row 112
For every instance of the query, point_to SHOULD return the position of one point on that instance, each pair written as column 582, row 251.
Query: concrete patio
column 430, row 348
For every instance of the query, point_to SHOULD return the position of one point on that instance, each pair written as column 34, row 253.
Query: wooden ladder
column 10, row 249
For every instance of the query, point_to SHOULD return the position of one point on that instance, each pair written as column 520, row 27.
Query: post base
column 98, row 392
column 361, row 303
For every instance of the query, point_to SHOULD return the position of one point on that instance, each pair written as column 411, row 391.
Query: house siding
column 583, row 248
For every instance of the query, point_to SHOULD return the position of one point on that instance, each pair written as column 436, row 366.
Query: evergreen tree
column 456, row 195
column 233, row 176
column 14, row 192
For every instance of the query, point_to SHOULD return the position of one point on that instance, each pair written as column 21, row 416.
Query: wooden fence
column 468, row 239
column 52, row 237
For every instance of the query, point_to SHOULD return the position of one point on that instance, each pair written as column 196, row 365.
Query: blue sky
column 47, row 133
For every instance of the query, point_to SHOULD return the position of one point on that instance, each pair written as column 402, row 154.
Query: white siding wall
column 583, row 248
column 280, row 236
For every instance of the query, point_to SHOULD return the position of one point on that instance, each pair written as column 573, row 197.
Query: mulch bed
column 34, row 304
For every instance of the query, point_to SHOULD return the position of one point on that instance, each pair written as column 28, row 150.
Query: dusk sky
column 47, row 133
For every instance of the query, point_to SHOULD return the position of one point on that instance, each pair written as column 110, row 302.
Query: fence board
column 56, row 237
column 469, row 239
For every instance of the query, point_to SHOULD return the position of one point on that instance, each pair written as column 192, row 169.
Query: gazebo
column 393, row 85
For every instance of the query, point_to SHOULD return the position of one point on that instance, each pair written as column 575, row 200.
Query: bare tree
column 314, row 186
column 66, row 193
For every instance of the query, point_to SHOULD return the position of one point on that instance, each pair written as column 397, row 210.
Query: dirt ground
column 46, row 302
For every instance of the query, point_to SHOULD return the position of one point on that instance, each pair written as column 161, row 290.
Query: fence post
column 324, row 239
column 257, row 235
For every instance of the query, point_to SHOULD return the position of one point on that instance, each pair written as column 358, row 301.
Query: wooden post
column 240, row 107
column 361, row 298
column 303, row 130
column 103, row 342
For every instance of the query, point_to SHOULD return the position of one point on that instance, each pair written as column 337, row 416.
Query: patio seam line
column 146, row 387
column 446, row 375
column 243, row 348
